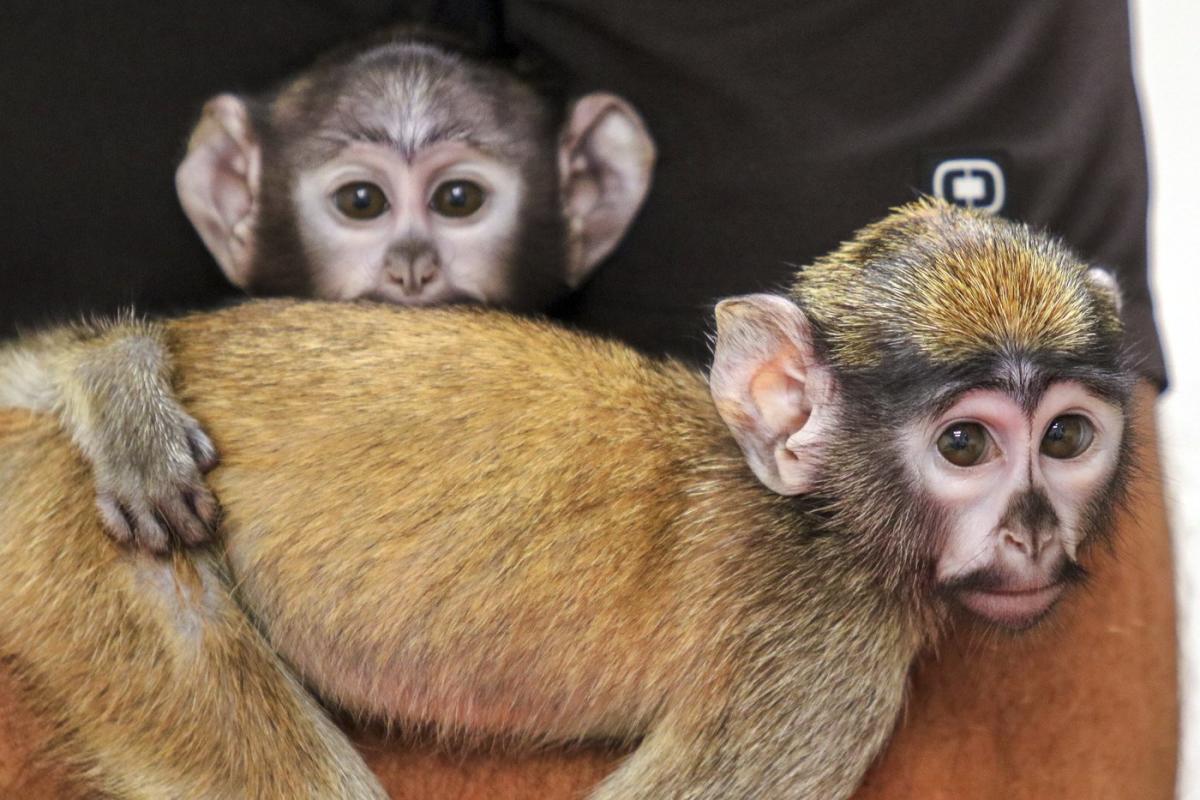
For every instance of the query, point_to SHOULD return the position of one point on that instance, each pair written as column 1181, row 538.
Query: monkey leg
column 153, row 682
column 765, row 754
column 780, row 720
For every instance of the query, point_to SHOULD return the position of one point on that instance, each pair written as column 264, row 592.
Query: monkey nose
column 413, row 275
column 1023, row 544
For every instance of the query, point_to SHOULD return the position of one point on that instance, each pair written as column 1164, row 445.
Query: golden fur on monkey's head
column 952, row 284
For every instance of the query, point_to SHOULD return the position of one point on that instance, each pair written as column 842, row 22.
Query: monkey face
column 1016, row 482
column 432, row 228
column 408, row 173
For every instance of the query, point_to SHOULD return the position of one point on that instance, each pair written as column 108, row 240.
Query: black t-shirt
column 782, row 127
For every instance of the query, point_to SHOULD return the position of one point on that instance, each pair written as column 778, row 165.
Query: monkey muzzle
column 1016, row 609
column 1014, row 599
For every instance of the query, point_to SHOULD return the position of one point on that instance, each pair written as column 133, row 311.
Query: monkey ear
column 218, row 181
column 771, row 390
column 605, row 162
column 1106, row 283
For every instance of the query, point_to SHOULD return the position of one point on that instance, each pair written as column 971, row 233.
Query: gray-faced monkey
column 498, row 527
column 402, row 169
column 409, row 170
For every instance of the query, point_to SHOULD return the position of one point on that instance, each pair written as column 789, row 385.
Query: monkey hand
column 110, row 384
column 150, row 481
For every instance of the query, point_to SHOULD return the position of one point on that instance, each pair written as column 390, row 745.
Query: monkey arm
column 815, row 731
column 110, row 386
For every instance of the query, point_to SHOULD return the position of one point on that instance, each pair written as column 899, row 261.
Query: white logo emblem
column 972, row 182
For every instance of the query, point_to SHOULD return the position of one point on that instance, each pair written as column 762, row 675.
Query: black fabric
column 782, row 127
column 481, row 21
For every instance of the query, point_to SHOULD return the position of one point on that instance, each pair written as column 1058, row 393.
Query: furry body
column 579, row 573
column 490, row 524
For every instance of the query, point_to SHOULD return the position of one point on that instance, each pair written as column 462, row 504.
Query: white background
column 1167, row 62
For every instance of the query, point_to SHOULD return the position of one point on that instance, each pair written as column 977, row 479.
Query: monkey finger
column 149, row 532
column 204, row 505
column 180, row 518
column 204, row 452
column 116, row 521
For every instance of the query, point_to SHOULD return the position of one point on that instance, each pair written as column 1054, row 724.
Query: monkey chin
column 1014, row 610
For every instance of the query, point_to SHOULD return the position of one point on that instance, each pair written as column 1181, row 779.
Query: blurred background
column 1167, row 60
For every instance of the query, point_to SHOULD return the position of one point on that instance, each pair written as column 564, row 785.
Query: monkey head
column 408, row 171
column 950, row 391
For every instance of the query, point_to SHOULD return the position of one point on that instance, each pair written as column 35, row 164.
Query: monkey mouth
column 1013, row 608
column 440, row 296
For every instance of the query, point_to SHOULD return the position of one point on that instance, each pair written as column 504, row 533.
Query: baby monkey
column 499, row 527
column 402, row 169
column 408, row 170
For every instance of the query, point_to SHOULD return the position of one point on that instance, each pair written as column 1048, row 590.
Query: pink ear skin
column 770, row 389
column 605, row 163
column 218, row 182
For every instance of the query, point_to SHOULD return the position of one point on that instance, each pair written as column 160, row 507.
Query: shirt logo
column 971, row 180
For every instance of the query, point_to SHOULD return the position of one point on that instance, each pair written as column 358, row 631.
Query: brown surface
column 1085, row 707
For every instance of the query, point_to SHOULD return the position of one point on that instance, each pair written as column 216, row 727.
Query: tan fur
column 557, row 597
column 594, row 582
column 132, row 659
column 960, row 283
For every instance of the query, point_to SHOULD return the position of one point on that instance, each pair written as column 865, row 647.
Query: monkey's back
column 530, row 494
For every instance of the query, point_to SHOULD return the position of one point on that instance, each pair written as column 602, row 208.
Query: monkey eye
column 457, row 198
column 1067, row 436
column 360, row 200
column 964, row 444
